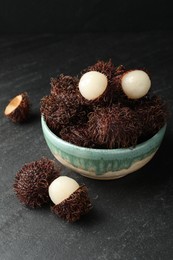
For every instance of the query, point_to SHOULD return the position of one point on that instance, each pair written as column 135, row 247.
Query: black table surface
column 132, row 217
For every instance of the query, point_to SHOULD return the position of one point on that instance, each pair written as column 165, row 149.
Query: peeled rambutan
column 108, row 69
column 32, row 182
column 131, row 84
column 114, row 127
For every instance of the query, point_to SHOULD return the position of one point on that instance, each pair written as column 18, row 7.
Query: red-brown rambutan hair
column 20, row 112
column 75, row 206
column 57, row 114
column 32, row 181
column 66, row 88
column 114, row 127
column 152, row 113
column 77, row 134
column 110, row 121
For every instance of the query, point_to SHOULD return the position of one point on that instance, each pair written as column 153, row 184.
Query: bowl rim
column 58, row 140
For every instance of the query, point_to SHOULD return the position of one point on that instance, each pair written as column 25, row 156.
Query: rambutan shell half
column 76, row 205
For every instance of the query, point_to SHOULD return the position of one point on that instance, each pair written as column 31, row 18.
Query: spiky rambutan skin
column 107, row 68
column 113, row 119
column 57, row 114
column 153, row 113
column 78, row 135
column 21, row 112
column 32, row 182
column 72, row 208
column 114, row 127
column 81, row 116
column 66, row 88
column 48, row 105
column 63, row 83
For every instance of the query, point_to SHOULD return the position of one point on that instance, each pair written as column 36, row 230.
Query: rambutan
column 108, row 69
column 72, row 208
column 63, row 83
column 32, row 181
column 77, row 134
column 56, row 114
column 114, row 127
column 65, row 88
column 152, row 113
column 70, row 199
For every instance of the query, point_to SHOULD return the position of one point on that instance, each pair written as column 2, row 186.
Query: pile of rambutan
column 123, row 114
column 39, row 183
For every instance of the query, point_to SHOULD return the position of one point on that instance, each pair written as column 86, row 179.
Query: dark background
column 84, row 16
column 132, row 217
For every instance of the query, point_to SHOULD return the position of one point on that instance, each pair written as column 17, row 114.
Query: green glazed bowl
column 103, row 164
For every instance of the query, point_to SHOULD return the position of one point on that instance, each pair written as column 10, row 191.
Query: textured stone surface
column 132, row 216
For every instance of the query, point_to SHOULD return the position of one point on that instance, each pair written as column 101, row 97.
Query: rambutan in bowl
column 102, row 164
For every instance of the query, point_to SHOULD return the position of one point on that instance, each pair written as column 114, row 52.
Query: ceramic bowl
column 103, row 164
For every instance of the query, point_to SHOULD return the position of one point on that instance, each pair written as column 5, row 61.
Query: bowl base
column 111, row 175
